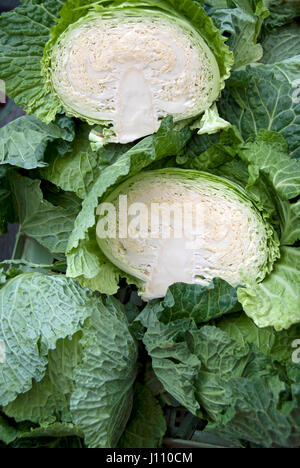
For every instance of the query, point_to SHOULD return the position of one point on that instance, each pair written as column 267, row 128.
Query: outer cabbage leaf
column 49, row 399
column 174, row 365
column 23, row 142
column 237, row 386
column 290, row 215
column 268, row 155
column 255, row 415
column 48, row 224
column 52, row 430
column 24, row 32
column 201, row 303
column 276, row 301
column 147, row 424
column 208, row 152
column 265, row 96
column 36, row 311
column 222, row 360
column 277, row 346
column 102, row 400
column 241, row 21
column 78, row 170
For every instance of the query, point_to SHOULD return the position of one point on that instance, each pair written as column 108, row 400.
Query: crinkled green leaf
column 201, row 303
column 282, row 12
column 281, row 44
column 238, row 387
column 174, row 365
column 260, row 193
column 276, row 301
column 272, row 180
column 207, row 152
column 102, row 400
column 264, row 96
column 24, row 33
column 8, row 433
column 253, row 415
column 268, row 155
column 57, row 429
column 147, row 424
column 77, row 170
column 23, row 142
column 49, row 399
column 36, row 311
column 49, row 225
column 275, row 345
column 221, row 359
column 241, row 22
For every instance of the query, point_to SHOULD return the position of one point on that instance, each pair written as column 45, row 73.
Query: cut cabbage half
column 222, row 233
column 128, row 70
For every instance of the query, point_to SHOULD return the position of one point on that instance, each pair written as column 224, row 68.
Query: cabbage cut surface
column 226, row 236
column 128, row 71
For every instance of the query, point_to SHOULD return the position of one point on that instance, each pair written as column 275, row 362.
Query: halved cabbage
column 129, row 69
column 221, row 233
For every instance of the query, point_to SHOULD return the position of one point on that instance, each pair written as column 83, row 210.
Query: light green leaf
column 241, row 21
column 23, row 142
column 174, row 365
column 276, row 301
column 48, row 224
column 49, row 399
column 102, row 400
column 36, row 311
column 268, row 155
column 221, row 359
column 277, row 346
column 263, row 96
column 77, row 170
column 24, row 33
column 147, row 424
column 210, row 122
column 254, row 414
